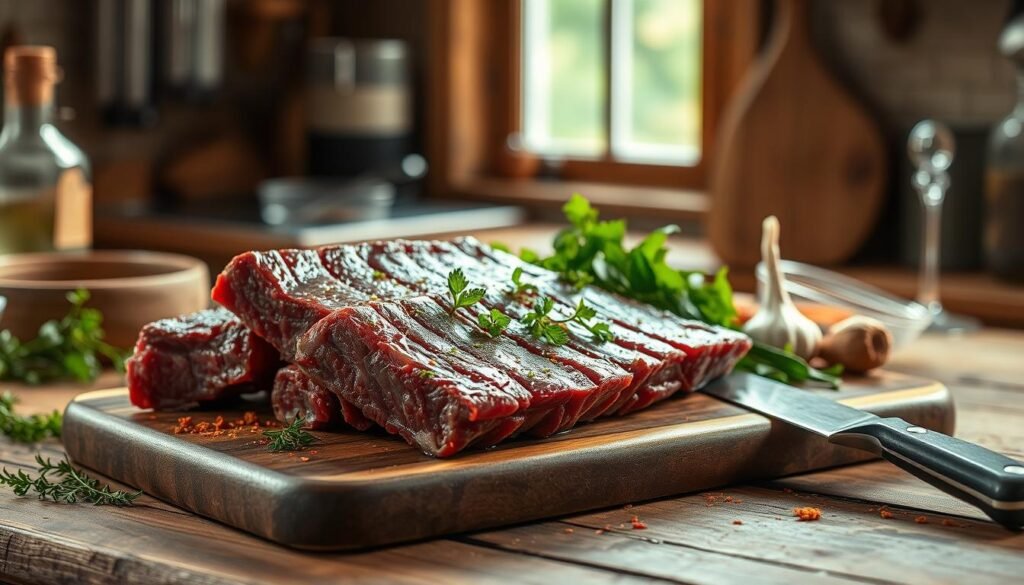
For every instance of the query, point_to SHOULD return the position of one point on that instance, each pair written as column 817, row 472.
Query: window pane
column 564, row 77
column 656, row 76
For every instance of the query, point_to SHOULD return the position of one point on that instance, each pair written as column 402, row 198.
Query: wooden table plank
column 851, row 540
column 687, row 540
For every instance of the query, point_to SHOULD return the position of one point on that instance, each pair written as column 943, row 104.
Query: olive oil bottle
column 45, row 180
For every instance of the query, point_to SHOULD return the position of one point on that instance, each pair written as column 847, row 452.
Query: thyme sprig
column 27, row 429
column 63, row 483
column 290, row 438
column 461, row 296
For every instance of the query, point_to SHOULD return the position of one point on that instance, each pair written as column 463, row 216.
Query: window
column 608, row 92
column 612, row 79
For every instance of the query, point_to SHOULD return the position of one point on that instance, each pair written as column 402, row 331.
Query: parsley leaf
column 27, row 429
column 520, row 286
column 592, row 251
column 494, row 322
column 69, row 348
column 461, row 297
column 543, row 325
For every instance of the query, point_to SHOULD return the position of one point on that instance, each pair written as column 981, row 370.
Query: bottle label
column 72, row 229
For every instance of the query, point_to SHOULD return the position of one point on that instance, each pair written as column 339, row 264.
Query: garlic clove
column 858, row 343
column 778, row 322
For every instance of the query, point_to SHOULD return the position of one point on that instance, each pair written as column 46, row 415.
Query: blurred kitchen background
column 217, row 126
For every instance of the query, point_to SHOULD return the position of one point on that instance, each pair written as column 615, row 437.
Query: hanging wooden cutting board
column 794, row 144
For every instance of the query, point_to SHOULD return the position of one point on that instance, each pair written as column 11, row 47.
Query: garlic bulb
column 778, row 322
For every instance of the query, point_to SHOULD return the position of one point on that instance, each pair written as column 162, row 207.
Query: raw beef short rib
column 372, row 324
column 196, row 358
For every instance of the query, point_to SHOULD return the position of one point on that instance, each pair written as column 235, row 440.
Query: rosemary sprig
column 290, row 438
column 27, row 429
column 71, row 485
column 494, row 322
column 461, row 297
column 543, row 325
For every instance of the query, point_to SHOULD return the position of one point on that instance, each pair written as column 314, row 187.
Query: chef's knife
column 984, row 478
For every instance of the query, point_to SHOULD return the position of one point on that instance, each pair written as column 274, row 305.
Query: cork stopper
column 30, row 73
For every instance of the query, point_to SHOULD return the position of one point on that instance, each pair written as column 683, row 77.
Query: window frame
column 473, row 106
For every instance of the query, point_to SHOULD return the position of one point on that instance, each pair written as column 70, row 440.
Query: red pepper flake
column 184, row 425
column 738, row 522
column 220, row 427
column 886, row 514
column 807, row 514
column 313, row 452
column 921, row 519
column 637, row 524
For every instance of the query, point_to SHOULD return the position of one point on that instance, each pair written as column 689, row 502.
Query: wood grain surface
column 367, row 489
column 689, row 539
column 795, row 144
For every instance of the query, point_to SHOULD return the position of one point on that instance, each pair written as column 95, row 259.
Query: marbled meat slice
column 296, row 395
column 374, row 326
column 201, row 357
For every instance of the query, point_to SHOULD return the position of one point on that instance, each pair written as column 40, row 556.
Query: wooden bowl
column 132, row 288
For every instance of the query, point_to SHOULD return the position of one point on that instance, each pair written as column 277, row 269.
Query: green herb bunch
column 27, row 429
column 62, row 483
column 591, row 251
column 69, row 348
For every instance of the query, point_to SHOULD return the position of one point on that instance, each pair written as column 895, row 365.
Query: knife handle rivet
column 1014, row 469
column 917, row 430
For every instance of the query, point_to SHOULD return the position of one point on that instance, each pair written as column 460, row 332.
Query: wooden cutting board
column 366, row 489
column 793, row 143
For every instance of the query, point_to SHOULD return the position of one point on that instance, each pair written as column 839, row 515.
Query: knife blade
column 986, row 479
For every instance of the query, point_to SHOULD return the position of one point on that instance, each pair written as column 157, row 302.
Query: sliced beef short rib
column 372, row 323
column 211, row 356
column 196, row 358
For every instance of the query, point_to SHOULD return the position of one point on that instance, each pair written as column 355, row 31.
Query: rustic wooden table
column 878, row 525
column 738, row 533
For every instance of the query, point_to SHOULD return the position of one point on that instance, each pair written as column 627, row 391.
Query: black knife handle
column 990, row 481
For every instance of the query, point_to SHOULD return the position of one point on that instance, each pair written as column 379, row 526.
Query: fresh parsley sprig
column 290, row 438
column 553, row 330
column 584, row 313
column 461, row 296
column 494, row 322
column 69, row 348
column 521, row 287
column 63, row 483
column 591, row 250
column 27, row 429
column 542, row 325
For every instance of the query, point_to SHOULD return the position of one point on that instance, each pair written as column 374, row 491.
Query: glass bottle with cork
column 45, row 180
